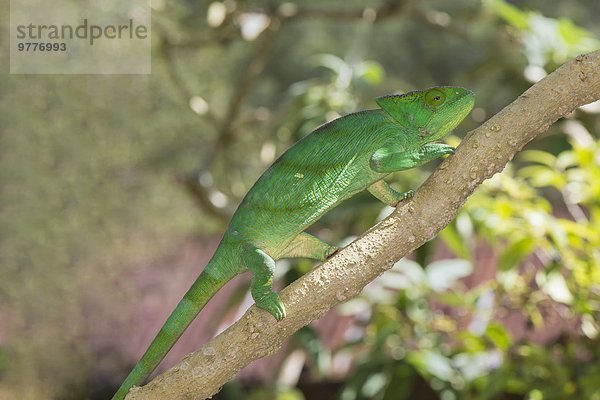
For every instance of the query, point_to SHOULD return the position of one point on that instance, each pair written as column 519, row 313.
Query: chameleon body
column 334, row 162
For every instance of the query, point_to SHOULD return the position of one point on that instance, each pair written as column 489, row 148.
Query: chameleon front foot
column 389, row 196
column 306, row 245
column 273, row 304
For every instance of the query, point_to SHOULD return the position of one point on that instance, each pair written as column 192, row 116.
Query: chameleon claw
column 331, row 251
column 280, row 313
column 450, row 150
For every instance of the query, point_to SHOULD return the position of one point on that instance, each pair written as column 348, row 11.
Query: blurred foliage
column 546, row 40
column 99, row 173
column 459, row 338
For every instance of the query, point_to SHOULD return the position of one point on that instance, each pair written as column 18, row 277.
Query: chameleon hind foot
column 272, row 304
column 262, row 267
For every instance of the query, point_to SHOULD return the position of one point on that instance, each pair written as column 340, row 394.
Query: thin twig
column 248, row 78
column 166, row 50
column 225, row 126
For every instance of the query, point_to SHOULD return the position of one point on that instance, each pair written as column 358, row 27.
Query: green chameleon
column 333, row 163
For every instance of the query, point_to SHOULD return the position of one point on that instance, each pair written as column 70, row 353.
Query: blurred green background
column 114, row 191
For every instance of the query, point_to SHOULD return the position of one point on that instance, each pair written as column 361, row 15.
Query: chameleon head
column 431, row 113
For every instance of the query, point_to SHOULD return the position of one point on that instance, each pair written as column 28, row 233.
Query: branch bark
column 484, row 152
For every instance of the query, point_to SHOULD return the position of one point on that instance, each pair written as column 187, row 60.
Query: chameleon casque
column 331, row 164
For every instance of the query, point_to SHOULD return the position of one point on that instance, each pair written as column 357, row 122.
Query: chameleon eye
column 435, row 97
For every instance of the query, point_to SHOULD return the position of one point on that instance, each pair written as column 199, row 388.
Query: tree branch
column 484, row 152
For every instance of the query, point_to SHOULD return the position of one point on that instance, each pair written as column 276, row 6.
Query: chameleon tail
column 208, row 283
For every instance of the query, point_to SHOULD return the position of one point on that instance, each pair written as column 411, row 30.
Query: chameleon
column 334, row 162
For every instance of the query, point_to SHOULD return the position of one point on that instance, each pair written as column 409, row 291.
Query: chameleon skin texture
column 330, row 165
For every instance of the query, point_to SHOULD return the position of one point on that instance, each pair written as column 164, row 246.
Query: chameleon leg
column 389, row 159
column 386, row 194
column 262, row 267
column 307, row 246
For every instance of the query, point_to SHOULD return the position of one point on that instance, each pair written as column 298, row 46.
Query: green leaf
column 290, row 394
column 566, row 159
column 556, row 287
column 541, row 176
column 477, row 364
column 498, row 336
column 455, row 298
column 330, row 61
column 371, row 72
column 432, row 363
column 443, row 274
column 472, row 343
column 572, row 34
column 412, row 271
column 455, row 242
column 540, row 157
column 511, row 14
column 515, row 252
column 374, row 384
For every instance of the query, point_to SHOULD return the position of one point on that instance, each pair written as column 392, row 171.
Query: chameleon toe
column 273, row 305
